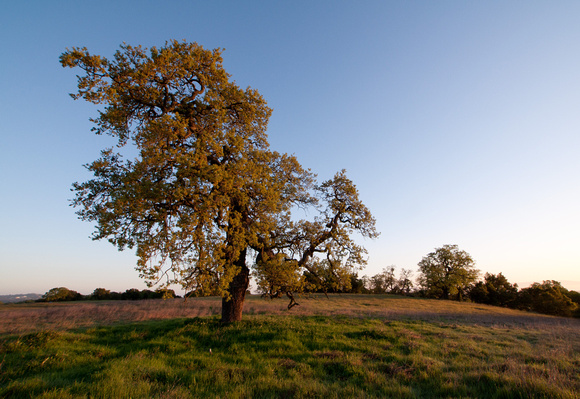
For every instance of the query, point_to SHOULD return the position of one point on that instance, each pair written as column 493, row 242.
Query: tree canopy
column 447, row 272
column 495, row 290
column 549, row 297
column 60, row 294
column 205, row 199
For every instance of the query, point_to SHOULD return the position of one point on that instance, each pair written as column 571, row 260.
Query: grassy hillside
column 345, row 346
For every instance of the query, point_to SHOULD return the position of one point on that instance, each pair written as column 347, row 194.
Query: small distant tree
column 447, row 272
column 376, row 284
column 116, row 296
column 404, row 283
column 60, row 294
column 386, row 282
column 132, row 294
column 389, row 279
column 495, row 290
column 383, row 282
column 101, row 294
column 548, row 297
column 357, row 284
column 148, row 294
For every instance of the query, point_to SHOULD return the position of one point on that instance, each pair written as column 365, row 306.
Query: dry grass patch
column 24, row 318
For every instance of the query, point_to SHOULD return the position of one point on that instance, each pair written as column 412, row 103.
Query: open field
column 345, row 346
column 22, row 318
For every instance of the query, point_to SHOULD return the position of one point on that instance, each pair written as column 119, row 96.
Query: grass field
column 344, row 346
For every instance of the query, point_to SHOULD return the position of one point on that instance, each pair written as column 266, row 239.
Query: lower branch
column 292, row 300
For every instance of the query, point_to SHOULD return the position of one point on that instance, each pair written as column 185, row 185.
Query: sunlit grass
column 331, row 348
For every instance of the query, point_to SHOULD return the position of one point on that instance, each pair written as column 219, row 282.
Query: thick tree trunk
column 232, row 307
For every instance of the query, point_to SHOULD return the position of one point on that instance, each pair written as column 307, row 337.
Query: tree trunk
column 232, row 307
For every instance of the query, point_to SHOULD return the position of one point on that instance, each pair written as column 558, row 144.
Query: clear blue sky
column 458, row 121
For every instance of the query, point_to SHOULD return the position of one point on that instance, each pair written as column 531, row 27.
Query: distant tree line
column 385, row 282
column 548, row 297
column 447, row 273
column 61, row 294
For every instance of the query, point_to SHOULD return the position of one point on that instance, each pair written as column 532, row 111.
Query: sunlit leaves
column 447, row 272
column 321, row 253
column 204, row 189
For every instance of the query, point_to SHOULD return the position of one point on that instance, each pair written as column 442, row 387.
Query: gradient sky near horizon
column 458, row 121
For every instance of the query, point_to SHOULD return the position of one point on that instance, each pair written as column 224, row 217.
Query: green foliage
column 387, row 283
column 100, row 294
column 357, row 284
column 384, row 282
column 404, row 284
column 60, row 294
column 447, row 273
column 202, row 293
column 575, row 297
column 132, row 294
column 548, row 297
column 165, row 293
column 205, row 191
column 494, row 290
column 319, row 255
column 203, row 160
column 276, row 276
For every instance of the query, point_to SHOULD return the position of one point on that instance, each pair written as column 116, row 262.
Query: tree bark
column 232, row 307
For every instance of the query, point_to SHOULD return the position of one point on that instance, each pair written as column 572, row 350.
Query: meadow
column 343, row 346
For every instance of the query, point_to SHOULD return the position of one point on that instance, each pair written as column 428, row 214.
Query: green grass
column 300, row 355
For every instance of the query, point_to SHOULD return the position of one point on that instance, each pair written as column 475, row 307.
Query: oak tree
column 447, row 272
column 549, row 297
column 60, row 294
column 404, row 283
column 318, row 255
column 495, row 290
column 383, row 282
column 203, row 199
